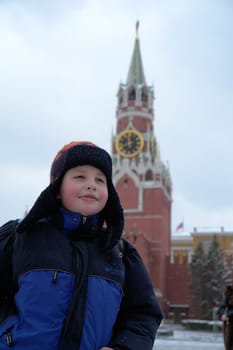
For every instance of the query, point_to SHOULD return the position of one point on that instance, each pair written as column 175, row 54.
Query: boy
column 64, row 282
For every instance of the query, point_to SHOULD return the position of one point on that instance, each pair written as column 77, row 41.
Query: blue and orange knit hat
column 71, row 155
column 80, row 153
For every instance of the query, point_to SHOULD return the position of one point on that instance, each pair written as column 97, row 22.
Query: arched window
column 144, row 96
column 149, row 175
column 132, row 95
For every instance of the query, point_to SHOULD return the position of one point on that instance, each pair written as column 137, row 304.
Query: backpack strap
column 122, row 247
column 7, row 237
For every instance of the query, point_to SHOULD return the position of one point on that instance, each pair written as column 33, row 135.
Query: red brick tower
column 141, row 178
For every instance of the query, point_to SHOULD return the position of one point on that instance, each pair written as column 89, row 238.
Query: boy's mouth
column 88, row 197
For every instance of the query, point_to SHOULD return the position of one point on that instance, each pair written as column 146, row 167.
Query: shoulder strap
column 7, row 236
column 122, row 247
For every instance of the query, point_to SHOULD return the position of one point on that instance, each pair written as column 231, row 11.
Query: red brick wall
column 178, row 279
column 128, row 193
column 148, row 230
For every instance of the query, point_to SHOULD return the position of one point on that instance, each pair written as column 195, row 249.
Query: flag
column 180, row 227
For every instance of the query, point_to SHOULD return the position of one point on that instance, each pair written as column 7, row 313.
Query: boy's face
column 84, row 190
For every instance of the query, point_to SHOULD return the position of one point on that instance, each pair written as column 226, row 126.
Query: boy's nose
column 91, row 187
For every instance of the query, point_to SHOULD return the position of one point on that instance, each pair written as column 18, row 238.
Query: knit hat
column 80, row 153
column 72, row 155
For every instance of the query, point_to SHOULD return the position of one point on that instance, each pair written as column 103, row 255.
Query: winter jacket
column 225, row 309
column 67, row 293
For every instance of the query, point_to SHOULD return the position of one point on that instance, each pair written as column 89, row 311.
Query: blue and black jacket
column 61, row 290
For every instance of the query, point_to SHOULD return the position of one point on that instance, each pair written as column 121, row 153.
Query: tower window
column 144, row 97
column 149, row 175
column 125, row 181
column 132, row 95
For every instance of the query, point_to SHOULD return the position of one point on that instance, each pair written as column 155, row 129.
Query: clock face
column 129, row 143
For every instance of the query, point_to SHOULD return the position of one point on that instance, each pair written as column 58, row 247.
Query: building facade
column 183, row 246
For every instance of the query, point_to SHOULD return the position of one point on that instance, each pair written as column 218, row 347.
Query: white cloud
column 60, row 66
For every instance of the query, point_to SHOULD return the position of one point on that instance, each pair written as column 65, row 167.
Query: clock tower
column 141, row 178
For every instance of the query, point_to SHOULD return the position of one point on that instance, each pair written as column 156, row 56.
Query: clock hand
column 129, row 142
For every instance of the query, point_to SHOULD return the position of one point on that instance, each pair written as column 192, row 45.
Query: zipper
column 9, row 338
column 80, row 269
column 76, row 264
column 55, row 275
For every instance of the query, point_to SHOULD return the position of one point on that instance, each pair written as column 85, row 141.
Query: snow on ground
column 190, row 340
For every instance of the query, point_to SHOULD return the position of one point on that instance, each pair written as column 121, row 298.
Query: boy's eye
column 78, row 177
column 101, row 180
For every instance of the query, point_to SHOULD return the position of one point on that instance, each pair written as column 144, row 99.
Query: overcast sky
column 61, row 62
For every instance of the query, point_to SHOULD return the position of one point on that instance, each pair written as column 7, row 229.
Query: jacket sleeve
column 222, row 308
column 7, row 234
column 140, row 314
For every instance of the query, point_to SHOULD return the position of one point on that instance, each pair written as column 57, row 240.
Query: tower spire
column 137, row 26
column 136, row 74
